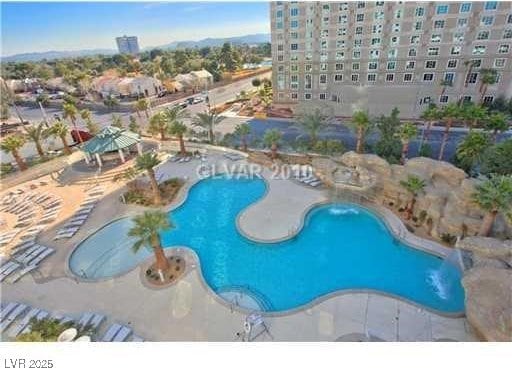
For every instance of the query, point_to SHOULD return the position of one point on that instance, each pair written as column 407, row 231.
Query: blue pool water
column 342, row 246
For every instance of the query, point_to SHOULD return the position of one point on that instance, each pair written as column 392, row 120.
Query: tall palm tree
column 146, row 229
column 414, row 185
column 272, row 138
column 92, row 127
column 493, row 195
column 496, row 123
column 147, row 161
column 12, row 144
column 449, row 113
column 469, row 65
column 208, row 120
column 117, row 121
column 472, row 114
column 431, row 114
column 178, row 129
column 242, row 131
column 362, row 124
column 71, row 112
column 487, row 78
column 133, row 126
column 312, row 122
column 471, row 150
column 37, row 133
column 142, row 105
column 61, row 130
column 405, row 133
column 158, row 124
column 174, row 114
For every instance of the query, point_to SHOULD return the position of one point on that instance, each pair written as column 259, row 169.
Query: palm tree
column 158, row 124
column 431, row 114
column 117, row 121
column 146, row 229
column 133, row 126
column 61, row 130
column 147, row 161
column 496, row 123
column 70, row 111
column 272, row 138
column 362, row 124
column 470, row 151
column 111, row 102
column 493, row 195
column 208, row 120
column 449, row 113
column 312, row 122
column 142, row 105
column 405, row 133
column 12, row 144
column 36, row 133
column 472, row 114
column 178, row 129
column 174, row 114
column 487, row 78
column 92, row 127
column 243, row 130
column 414, row 185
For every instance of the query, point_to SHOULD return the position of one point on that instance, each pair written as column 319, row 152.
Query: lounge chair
column 316, row 183
column 90, row 201
column 86, row 207
column 137, row 338
column 41, row 256
column 22, row 273
column 75, row 222
column 68, row 230
column 9, row 271
column 65, row 235
column 79, row 217
column 83, row 212
column 85, row 319
column 23, row 326
column 6, row 309
column 62, row 318
column 32, row 255
column 19, row 310
column 188, row 158
column 23, row 246
column 111, row 332
column 123, row 334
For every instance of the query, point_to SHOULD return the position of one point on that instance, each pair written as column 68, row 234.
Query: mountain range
column 50, row 55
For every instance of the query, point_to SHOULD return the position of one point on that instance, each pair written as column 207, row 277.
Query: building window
column 294, row 81
column 294, row 12
column 307, row 96
column 479, row 50
column 279, row 25
column 390, row 77
column 398, row 14
column 358, row 43
column 294, row 96
column 372, row 77
column 308, row 81
column 361, row 5
column 465, row 8
column 428, row 77
column 322, row 96
column 294, row 24
column 355, row 66
column 308, row 67
column 455, row 50
column 395, row 40
column 509, row 19
column 391, row 65
column 487, row 20
column 338, row 66
column 482, row 35
column 375, row 41
column 341, row 32
column 373, row 65
column 374, row 54
column 419, row 12
column 449, row 77
column 438, row 24
column 410, row 64
column 430, row 64
column 499, row 63
column 451, row 64
column 443, row 99
column 503, row 49
column 324, row 33
column 462, row 22
column 360, row 18
column 418, row 25
column 340, row 44
column 359, row 30
column 294, row 46
column 392, row 53
column 433, row 51
column 338, row 77
column 323, row 67
column 472, row 78
column 356, row 54
column 477, row 63
column 458, row 37
column 415, row 40
column 408, row 77
column 355, row 77
column 507, row 33
column 466, row 99
column 377, row 28
column 378, row 15
column 491, row 5
column 340, row 55
column 442, row 9
column 323, row 78
column 412, row 53
column 436, row 38
column 488, row 99
column 294, row 68
column 396, row 27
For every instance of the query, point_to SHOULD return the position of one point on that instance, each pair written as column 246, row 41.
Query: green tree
column 44, row 330
column 37, row 133
column 405, row 133
column 471, row 150
column 449, row 113
column 312, row 121
column 272, row 138
column 487, row 77
column 71, row 112
column 111, row 102
column 496, row 123
column 494, row 195
column 208, row 120
column 256, row 82
column 43, row 99
column 388, row 145
column 242, row 131
column 61, row 130
column 12, row 144
column 117, row 121
column 158, row 124
column 497, row 159
column 362, row 125
column 414, row 185
column 472, row 114
column 133, row 125
column 147, row 228
column 431, row 114
column 178, row 129
column 148, row 161
column 329, row 147
column 92, row 127
column 142, row 105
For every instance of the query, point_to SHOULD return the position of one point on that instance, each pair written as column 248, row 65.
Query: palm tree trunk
column 244, row 144
column 39, row 148
column 410, row 208
column 19, row 161
column 183, row 151
column 427, row 131
column 211, row 136
column 154, row 185
column 405, row 151
column 273, row 149
column 483, row 92
column 445, row 139
column 161, row 261
column 487, row 223
column 359, row 145
column 162, row 134
column 67, row 150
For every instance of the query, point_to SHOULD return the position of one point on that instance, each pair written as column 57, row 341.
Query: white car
column 197, row 100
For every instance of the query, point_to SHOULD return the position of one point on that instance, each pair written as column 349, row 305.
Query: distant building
column 127, row 87
column 196, row 80
column 128, row 45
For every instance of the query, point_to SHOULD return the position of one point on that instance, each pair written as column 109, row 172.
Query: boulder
column 489, row 302
column 371, row 162
column 487, row 247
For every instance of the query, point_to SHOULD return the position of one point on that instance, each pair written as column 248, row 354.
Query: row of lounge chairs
column 24, row 259
column 81, row 215
column 310, row 180
column 87, row 323
column 180, row 159
column 234, row 156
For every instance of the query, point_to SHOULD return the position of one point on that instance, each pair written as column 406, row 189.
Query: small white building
column 200, row 79
column 129, row 86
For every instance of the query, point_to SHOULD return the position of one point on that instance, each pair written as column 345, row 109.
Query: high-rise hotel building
column 375, row 55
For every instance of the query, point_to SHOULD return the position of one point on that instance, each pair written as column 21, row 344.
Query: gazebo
column 111, row 139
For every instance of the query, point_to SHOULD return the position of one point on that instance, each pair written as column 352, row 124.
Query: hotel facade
column 376, row 55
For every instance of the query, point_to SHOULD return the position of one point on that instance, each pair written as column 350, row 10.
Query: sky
column 53, row 26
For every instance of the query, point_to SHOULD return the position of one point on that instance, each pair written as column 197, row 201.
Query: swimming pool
column 341, row 246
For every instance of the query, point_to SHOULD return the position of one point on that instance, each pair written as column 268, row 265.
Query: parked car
column 163, row 93
column 183, row 104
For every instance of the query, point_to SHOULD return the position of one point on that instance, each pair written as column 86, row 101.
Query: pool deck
column 190, row 311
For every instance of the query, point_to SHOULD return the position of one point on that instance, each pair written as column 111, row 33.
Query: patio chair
column 43, row 255
column 6, row 309
column 23, row 326
column 123, row 334
column 22, row 273
column 9, row 271
column 137, row 338
column 18, row 311
column 315, row 183
column 111, row 332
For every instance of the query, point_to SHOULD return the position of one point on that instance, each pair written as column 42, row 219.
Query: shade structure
column 110, row 139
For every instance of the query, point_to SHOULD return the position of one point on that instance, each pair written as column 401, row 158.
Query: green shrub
column 448, row 238
column 329, row 147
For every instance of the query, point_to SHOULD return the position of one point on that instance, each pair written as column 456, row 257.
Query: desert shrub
column 329, row 147
column 448, row 238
